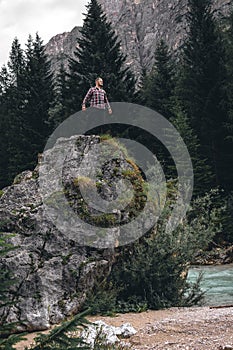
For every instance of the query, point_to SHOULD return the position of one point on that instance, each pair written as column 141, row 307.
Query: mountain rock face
column 139, row 25
column 53, row 271
column 61, row 47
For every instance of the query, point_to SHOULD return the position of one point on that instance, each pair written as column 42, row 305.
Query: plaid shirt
column 97, row 98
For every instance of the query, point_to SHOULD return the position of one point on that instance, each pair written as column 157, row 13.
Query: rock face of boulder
column 53, row 272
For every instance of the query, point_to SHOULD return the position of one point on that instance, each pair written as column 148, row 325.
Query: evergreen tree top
column 98, row 53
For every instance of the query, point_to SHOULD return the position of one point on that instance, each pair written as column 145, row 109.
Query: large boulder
column 53, row 271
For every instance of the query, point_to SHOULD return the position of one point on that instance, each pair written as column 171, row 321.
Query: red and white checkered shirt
column 97, row 98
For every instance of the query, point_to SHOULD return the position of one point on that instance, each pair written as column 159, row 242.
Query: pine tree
column 158, row 89
column 202, row 172
column 229, row 50
column 201, row 84
column 16, row 67
column 38, row 97
column 98, row 54
column 157, row 93
column 12, row 158
column 16, row 63
column 58, row 111
column 226, row 196
column 3, row 127
column 26, row 95
column 228, row 40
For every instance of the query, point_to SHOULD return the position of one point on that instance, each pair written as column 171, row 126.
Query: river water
column 217, row 283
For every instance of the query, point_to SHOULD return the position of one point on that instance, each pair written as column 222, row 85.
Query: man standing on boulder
column 97, row 97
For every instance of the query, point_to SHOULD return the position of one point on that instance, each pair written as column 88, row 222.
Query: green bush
column 153, row 270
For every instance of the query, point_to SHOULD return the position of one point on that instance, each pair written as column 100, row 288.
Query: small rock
column 125, row 330
column 107, row 334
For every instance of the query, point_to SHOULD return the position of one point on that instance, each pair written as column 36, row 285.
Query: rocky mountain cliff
column 139, row 24
column 61, row 46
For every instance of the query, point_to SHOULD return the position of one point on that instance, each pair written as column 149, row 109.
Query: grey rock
column 107, row 334
column 53, row 272
column 126, row 330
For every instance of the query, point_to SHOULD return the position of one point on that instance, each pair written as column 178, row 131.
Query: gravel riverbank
column 197, row 328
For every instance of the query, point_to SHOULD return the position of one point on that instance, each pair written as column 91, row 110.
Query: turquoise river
column 217, row 283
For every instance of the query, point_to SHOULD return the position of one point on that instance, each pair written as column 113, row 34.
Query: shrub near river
column 151, row 272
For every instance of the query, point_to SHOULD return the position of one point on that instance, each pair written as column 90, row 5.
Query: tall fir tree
column 10, row 111
column 26, row 96
column 16, row 67
column 3, row 126
column 203, row 176
column 38, row 97
column 228, row 40
column 16, row 63
column 98, row 53
column 58, row 111
column 227, row 196
column 157, row 93
column 200, row 90
column 158, row 90
column 229, row 52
